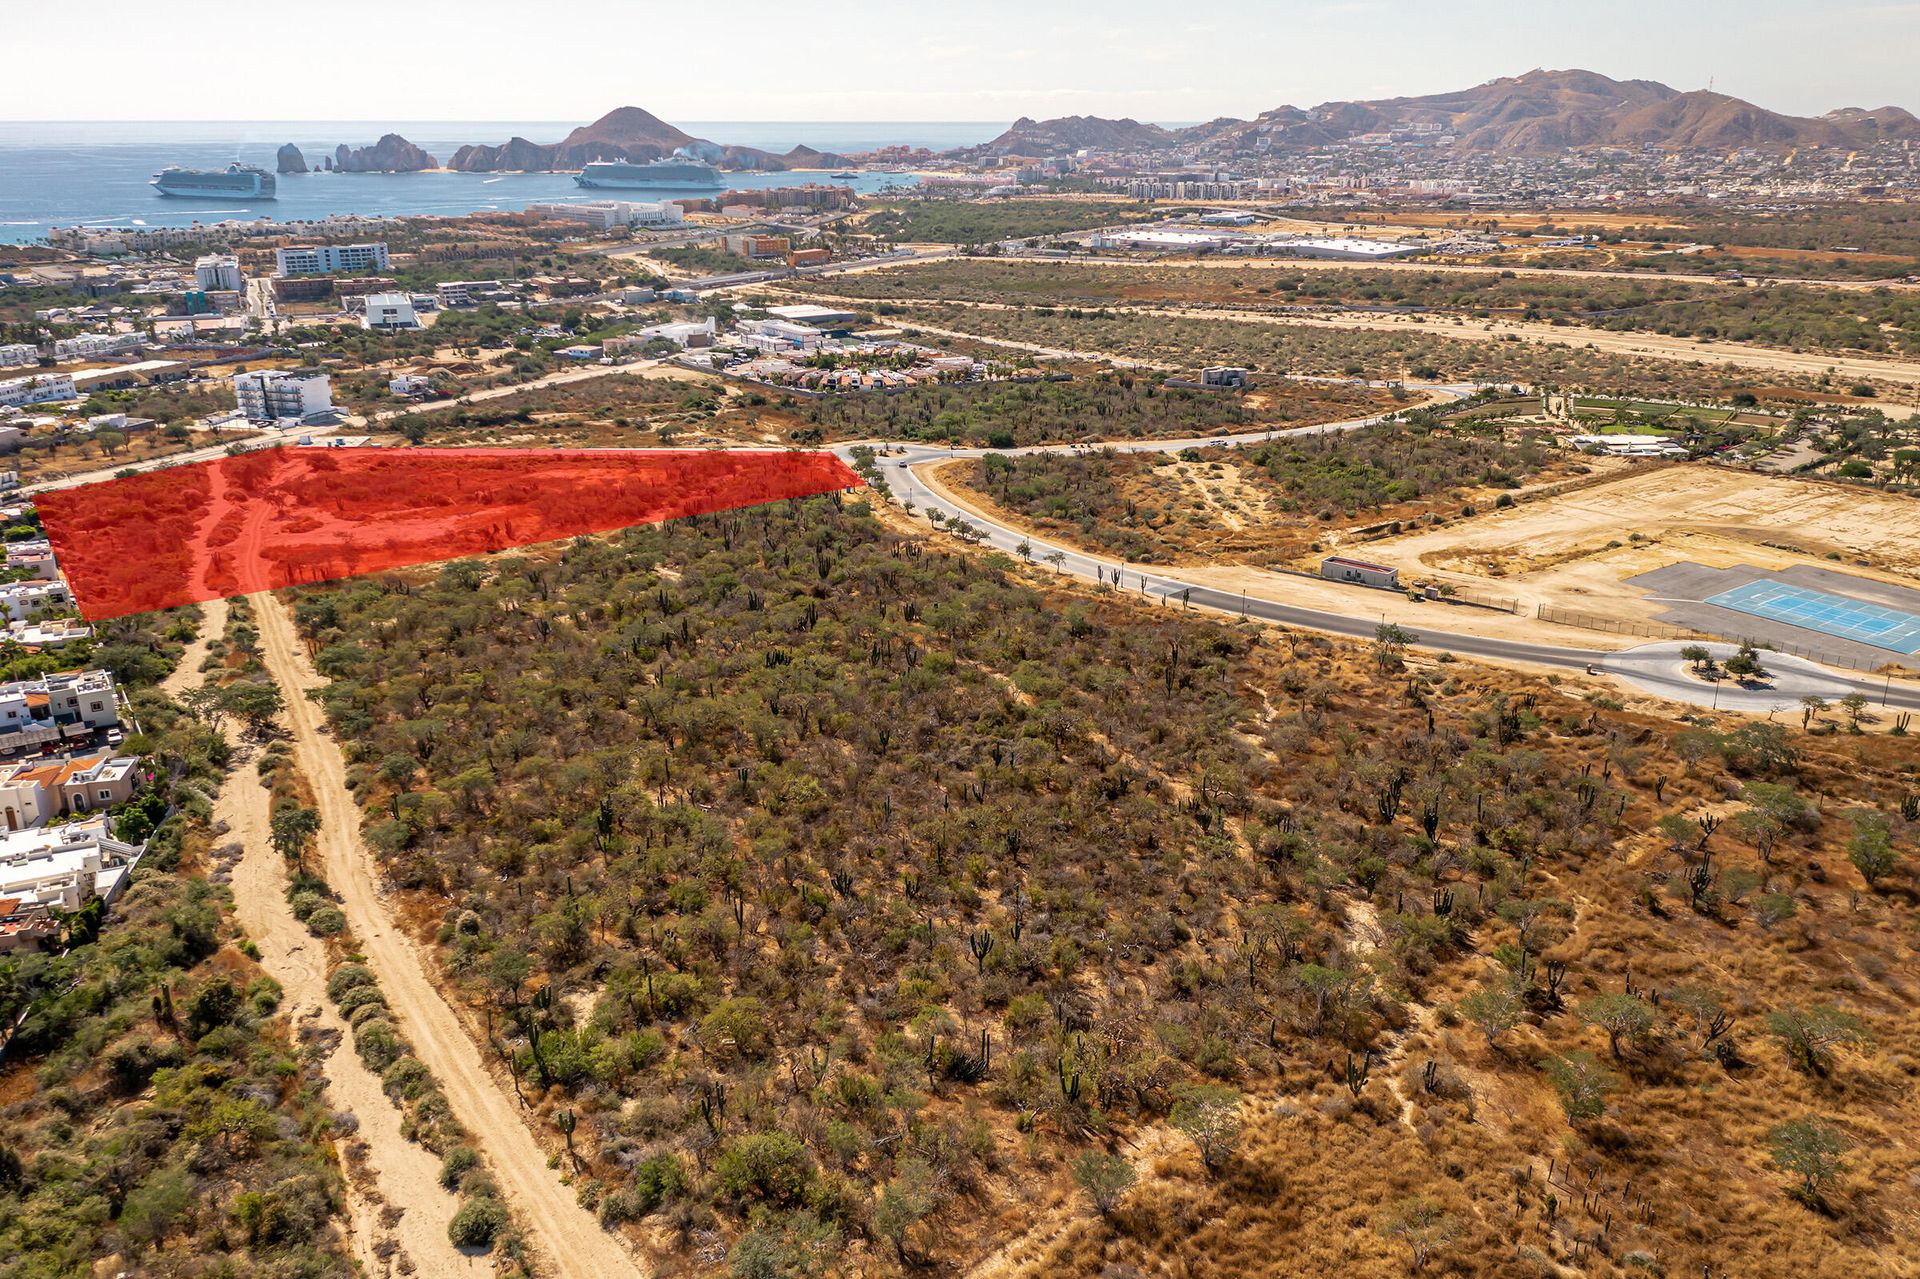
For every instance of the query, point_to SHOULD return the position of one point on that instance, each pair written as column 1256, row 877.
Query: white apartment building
column 773, row 336
column 20, row 600
column 389, row 311
column 36, row 556
column 89, row 346
column 65, row 866
column 37, row 390
column 603, row 214
column 52, row 708
column 218, row 271
column 15, row 355
column 329, row 259
column 281, row 395
column 55, row 632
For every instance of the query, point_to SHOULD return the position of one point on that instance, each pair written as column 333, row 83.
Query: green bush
column 346, row 977
column 360, row 997
column 658, row 1179
column 327, row 922
column 458, row 1162
column 478, row 1223
column 773, row 1166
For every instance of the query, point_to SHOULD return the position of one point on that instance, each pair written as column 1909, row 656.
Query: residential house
column 52, row 709
column 65, row 866
column 20, row 600
column 33, row 793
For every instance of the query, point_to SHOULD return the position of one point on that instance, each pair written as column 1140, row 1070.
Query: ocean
column 90, row 173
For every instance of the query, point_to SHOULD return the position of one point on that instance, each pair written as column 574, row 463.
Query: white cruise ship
column 236, row 181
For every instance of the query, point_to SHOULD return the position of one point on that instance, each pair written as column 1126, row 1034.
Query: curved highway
column 1655, row 668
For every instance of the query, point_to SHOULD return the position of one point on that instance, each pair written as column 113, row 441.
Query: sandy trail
column 186, row 673
column 566, row 1235
column 394, row 1170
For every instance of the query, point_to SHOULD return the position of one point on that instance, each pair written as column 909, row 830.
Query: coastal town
column 1325, row 692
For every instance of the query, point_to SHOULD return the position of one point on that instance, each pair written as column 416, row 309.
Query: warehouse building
column 1338, row 568
column 1350, row 249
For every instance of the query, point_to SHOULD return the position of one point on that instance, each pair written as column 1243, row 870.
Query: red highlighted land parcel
column 285, row 516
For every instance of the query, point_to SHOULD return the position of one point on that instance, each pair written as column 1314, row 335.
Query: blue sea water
column 91, row 173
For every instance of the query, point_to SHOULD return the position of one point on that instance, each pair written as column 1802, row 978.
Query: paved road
column 287, row 436
column 1651, row 667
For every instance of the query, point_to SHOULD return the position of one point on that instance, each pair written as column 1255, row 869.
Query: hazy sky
column 907, row 59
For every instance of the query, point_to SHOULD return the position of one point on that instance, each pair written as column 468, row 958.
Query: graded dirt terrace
column 1901, row 373
column 1575, row 550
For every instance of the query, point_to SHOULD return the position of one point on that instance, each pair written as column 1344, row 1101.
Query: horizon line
column 399, row 120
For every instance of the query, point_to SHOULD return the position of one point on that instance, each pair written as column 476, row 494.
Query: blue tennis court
column 1836, row 615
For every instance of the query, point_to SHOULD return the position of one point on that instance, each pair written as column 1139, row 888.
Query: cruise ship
column 676, row 172
column 236, row 181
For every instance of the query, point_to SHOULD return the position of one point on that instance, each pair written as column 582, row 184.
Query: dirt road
column 565, row 1235
column 394, row 1173
column 644, row 369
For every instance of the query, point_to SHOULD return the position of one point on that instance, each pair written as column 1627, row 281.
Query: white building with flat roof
column 15, row 355
column 35, row 555
column 330, row 259
column 90, row 346
column 56, row 709
column 41, row 389
column 684, row 334
column 1350, row 249
column 774, row 336
column 1164, row 239
column 20, row 600
column 283, row 395
column 65, row 866
column 605, row 214
column 219, row 271
column 820, row 317
column 389, row 312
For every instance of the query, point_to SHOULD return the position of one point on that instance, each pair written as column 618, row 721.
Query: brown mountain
column 1888, row 123
column 1539, row 112
column 391, row 154
column 627, row 133
column 1068, row 134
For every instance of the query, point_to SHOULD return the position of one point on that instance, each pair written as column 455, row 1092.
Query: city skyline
column 856, row 60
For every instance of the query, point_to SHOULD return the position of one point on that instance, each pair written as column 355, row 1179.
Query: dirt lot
column 1575, row 550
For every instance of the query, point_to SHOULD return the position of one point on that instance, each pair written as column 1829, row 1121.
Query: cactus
column 1556, row 973
column 980, row 944
column 1357, row 1073
column 1430, row 815
column 1069, row 1084
column 713, row 1106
